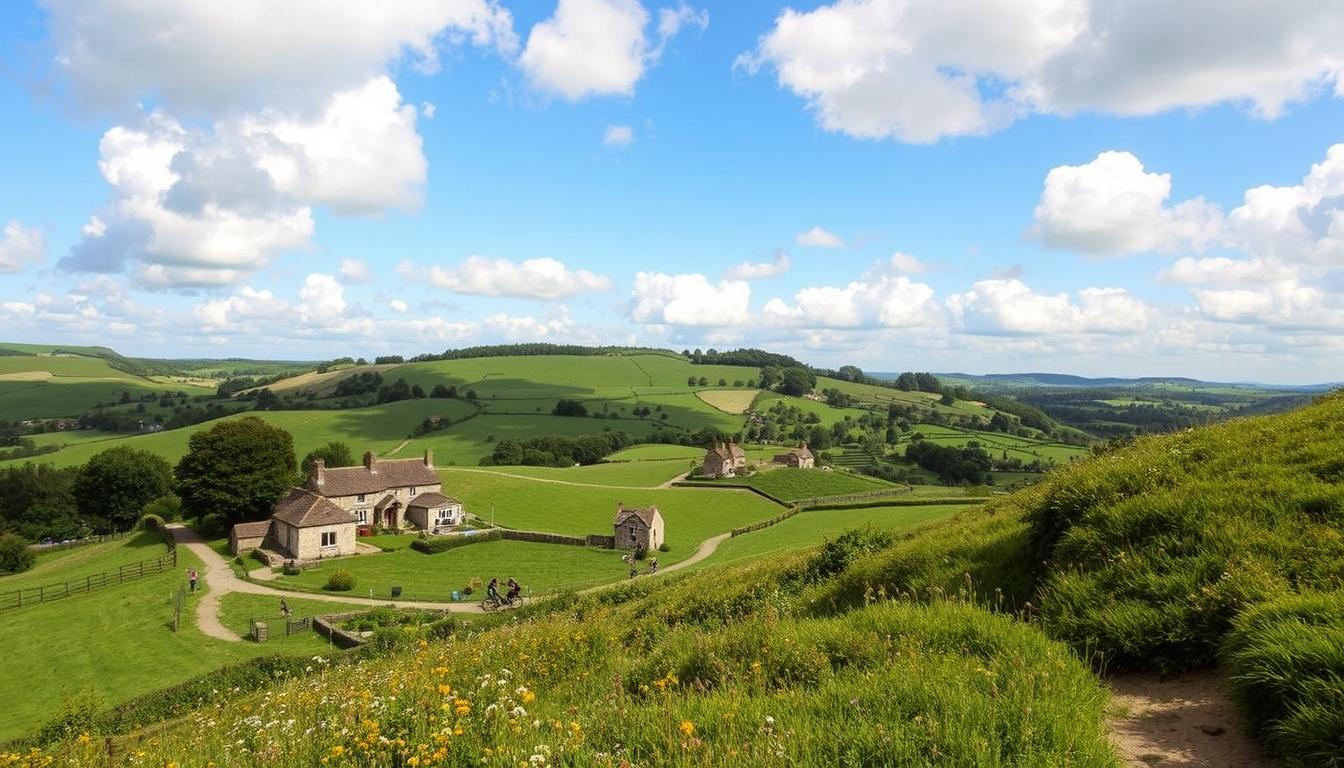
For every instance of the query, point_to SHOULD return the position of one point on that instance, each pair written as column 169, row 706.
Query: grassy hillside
column 788, row 484
column 714, row 669
column 34, row 386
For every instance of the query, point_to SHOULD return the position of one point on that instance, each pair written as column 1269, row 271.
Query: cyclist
column 492, row 590
column 514, row 590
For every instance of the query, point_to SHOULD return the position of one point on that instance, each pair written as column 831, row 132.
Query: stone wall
column 600, row 540
column 544, row 538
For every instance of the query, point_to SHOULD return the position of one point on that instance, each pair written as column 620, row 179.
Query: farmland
column 50, row 386
column 789, row 484
column 629, row 474
column 735, row 401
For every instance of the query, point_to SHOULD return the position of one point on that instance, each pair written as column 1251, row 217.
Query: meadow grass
column 77, row 563
column 811, row 528
column 734, row 401
column 642, row 474
column 791, row 484
column 606, row 680
column 657, row 452
column 538, row 567
column 238, row 610
column 999, row 444
column 691, row 515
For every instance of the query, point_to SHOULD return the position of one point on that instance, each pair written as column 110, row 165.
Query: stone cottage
column 723, row 460
column 432, row 510
column 377, row 492
column 800, row 458
column 638, row 528
column 304, row 526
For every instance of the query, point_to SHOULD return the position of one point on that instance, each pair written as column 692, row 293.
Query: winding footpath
column 222, row 581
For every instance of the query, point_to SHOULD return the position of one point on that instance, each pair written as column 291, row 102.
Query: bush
column 15, row 556
column 290, row 568
column 389, row 640
column 664, row 548
column 257, row 555
column 467, row 590
column 433, row 545
column 340, row 581
column 168, row 507
column 79, row 715
column 151, row 522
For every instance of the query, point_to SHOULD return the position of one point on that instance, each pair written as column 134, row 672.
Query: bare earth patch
column 734, row 401
column 1185, row 721
column 27, row 376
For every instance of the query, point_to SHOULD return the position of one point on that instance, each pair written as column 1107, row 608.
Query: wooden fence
column 20, row 598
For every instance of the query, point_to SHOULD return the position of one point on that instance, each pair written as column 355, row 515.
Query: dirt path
column 397, row 450
column 222, row 581
column 677, row 479
column 707, row 548
column 1186, row 721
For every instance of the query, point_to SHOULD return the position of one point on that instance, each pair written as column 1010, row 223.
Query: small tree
column 15, row 556
column 333, row 454
column 167, row 507
column 116, row 484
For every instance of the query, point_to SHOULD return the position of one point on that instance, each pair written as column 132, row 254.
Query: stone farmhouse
column 322, row 518
column 723, row 460
column 799, row 458
column 638, row 528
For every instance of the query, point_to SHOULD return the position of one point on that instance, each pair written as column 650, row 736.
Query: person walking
column 191, row 578
column 653, row 565
column 284, row 608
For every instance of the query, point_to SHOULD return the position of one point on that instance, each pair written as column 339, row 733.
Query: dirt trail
column 397, row 450
column 1182, row 722
column 222, row 581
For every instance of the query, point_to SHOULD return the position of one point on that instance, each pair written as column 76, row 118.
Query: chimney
column 429, row 458
column 369, row 462
column 316, row 470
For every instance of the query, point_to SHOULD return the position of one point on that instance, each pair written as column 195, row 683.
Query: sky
column 1147, row 187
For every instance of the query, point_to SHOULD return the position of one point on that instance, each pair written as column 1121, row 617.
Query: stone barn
column 432, row 511
column 638, row 528
column 723, row 460
column 799, row 458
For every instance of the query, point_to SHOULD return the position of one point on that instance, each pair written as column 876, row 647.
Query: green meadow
column 997, row 444
column 630, row 474
column 789, row 484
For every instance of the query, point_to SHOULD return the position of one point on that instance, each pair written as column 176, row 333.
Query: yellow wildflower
column 687, row 728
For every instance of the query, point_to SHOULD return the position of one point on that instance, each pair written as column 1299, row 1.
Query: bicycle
column 491, row 603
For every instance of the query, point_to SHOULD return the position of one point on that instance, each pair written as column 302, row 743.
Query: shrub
column 664, row 548
column 290, row 568
column 433, row 545
column 151, row 522
column 168, row 507
column 389, row 640
column 257, row 555
column 15, row 556
column 79, row 715
column 467, row 590
column 340, row 581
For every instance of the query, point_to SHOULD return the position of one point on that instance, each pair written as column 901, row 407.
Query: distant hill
column 993, row 380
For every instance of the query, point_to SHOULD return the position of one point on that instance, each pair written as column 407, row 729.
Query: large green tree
column 797, row 381
column 237, row 469
column 15, row 556
column 117, row 483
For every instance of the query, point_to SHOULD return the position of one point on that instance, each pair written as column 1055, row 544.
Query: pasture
column 812, row 528
column 691, row 514
column 734, row 401
column 999, row 444
column 790, row 484
column 657, row 452
column 629, row 474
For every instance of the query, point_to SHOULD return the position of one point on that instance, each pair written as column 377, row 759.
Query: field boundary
column 18, row 598
column 731, row 487
column 60, row 545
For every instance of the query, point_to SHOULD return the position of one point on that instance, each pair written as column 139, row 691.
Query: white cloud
column 1009, row 307
column 817, row 237
column 1112, row 206
column 532, row 279
column 757, row 270
column 201, row 55
column 877, row 300
column 20, row 247
column 598, row 47
column 919, row 71
column 398, row 306
column 618, row 136
column 230, row 199
column 428, row 109
column 355, row 271
column 321, row 301
column 689, row 300
column 905, row 264
column 95, row 228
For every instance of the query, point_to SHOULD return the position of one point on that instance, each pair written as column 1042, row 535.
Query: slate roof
column 727, row 452
column 256, row 530
column 383, row 475
column 305, row 509
column 646, row 515
column 432, row 499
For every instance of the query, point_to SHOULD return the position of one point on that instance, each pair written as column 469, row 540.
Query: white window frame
column 363, row 515
column 412, row 493
column 445, row 516
column 324, row 535
column 359, row 499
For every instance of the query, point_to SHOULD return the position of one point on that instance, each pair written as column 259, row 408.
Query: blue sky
column 1056, row 185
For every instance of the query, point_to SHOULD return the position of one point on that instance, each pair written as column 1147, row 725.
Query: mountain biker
column 492, row 590
column 514, row 589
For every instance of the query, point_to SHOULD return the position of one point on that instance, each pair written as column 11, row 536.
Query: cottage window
column 412, row 493
column 363, row 515
column 328, row 538
column 445, row 516
column 360, row 498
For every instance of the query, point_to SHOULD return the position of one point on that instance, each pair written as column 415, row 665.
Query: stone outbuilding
column 432, row 511
column 638, row 528
column 800, row 458
column 306, row 526
column 723, row 460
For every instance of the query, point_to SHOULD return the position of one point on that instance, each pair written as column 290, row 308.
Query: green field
column 810, row 529
column 115, row 641
column 237, row 611
column 76, row 563
column 50, row 386
column 629, row 474
column 538, row 567
column 791, row 484
column 691, row 514
column 998, row 444
column 657, row 452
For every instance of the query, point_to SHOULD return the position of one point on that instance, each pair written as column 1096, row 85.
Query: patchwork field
column 791, row 484
column 630, row 474
column 735, row 401
column 655, row 452
column 998, row 444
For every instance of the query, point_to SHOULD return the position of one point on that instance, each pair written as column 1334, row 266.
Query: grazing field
column 791, row 484
column 237, row 611
column 116, row 642
column 828, row 414
column 691, row 514
column 76, row 563
column 997, row 444
column 657, row 452
column 51, row 386
column 641, row 474
column 810, row 529
column 538, row 567
column 735, row 401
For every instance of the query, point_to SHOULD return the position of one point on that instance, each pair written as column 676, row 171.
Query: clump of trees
column 968, row 465
column 113, row 488
column 236, row 469
column 565, row 407
column 15, row 556
column 333, row 454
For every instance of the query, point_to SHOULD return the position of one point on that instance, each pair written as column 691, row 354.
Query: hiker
column 653, row 565
column 284, row 608
column 191, row 578
column 634, row 569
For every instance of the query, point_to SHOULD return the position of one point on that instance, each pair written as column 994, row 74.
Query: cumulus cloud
column 355, row 271
column 599, row 47
column 398, row 306
column 618, row 136
column 1008, row 307
column 689, row 300
column 1112, row 206
column 817, row 237
column 748, row 270
column 20, row 247
column 229, row 199
column 531, row 279
column 877, row 300
column 917, row 71
column 203, row 56
column 905, row 264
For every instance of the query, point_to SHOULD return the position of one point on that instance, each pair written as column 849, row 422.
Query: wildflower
column 687, row 728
